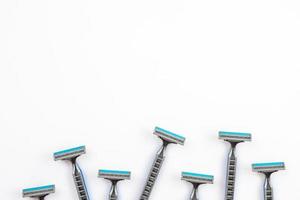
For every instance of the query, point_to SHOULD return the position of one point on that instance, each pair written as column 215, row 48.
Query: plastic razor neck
column 194, row 194
column 268, row 191
column 267, row 183
column 162, row 151
column 232, row 149
column 42, row 197
column 75, row 166
column 113, row 194
column 73, row 160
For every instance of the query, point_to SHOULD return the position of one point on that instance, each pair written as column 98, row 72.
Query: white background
column 105, row 73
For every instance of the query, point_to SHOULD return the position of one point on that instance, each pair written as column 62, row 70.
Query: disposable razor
column 114, row 177
column 39, row 192
column 167, row 138
column 233, row 138
column 268, row 169
column 72, row 155
column 196, row 180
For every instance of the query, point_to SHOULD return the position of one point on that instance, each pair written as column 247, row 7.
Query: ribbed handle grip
column 152, row 177
column 268, row 193
column 80, row 184
column 231, row 168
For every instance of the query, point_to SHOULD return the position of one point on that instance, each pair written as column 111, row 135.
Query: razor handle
column 80, row 183
column 230, row 179
column 153, row 174
column 268, row 191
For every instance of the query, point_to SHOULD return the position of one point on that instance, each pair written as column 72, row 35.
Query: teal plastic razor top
column 270, row 164
column 203, row 176
column 80, row 148
column 234, row 136
column 41, row 188
column 158, row 129
column 38, row 191
column 238, row 134
column 114, row 172
column 168, row 135
column 269, row 167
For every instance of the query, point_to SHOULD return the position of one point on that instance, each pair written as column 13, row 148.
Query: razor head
column 114, row 175
column 69, row 154
column 169, row 136
column 235, row 137
column 268, row 167
column 39, row 191
column 195, row 178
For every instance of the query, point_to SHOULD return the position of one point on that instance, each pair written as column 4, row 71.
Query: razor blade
column 197, row 178
column 234, row 136
column 114, row 174
column 268, row 167
column 169, row 136
column 39, row 191
column 69, row 154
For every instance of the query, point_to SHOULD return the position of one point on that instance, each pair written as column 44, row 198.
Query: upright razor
column 196, row 180
column 114, row 177
column 167, row 137
column 233, row 138
column 39, row 192
column 268, row 169
column 72, row 155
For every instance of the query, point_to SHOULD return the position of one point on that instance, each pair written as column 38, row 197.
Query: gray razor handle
column 80, row 183
column 153, row 175
column 113, row 194
column 268, row 191
column 230, row 179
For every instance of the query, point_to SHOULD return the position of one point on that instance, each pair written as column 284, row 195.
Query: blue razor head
column 234, row 136
column 114, row 174
column 268, row 167
column 39, row 191
column 69, row 153
column 197, row 178
column 169, row 136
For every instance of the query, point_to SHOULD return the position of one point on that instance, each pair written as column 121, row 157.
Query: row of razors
column 167, row 138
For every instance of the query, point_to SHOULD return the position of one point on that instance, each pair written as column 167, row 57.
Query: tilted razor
column 196, row 180
column 167, row 137
column 114, row 177
column 72, row 155
column 268, row 169
column 39, row 192
column 233, row 138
